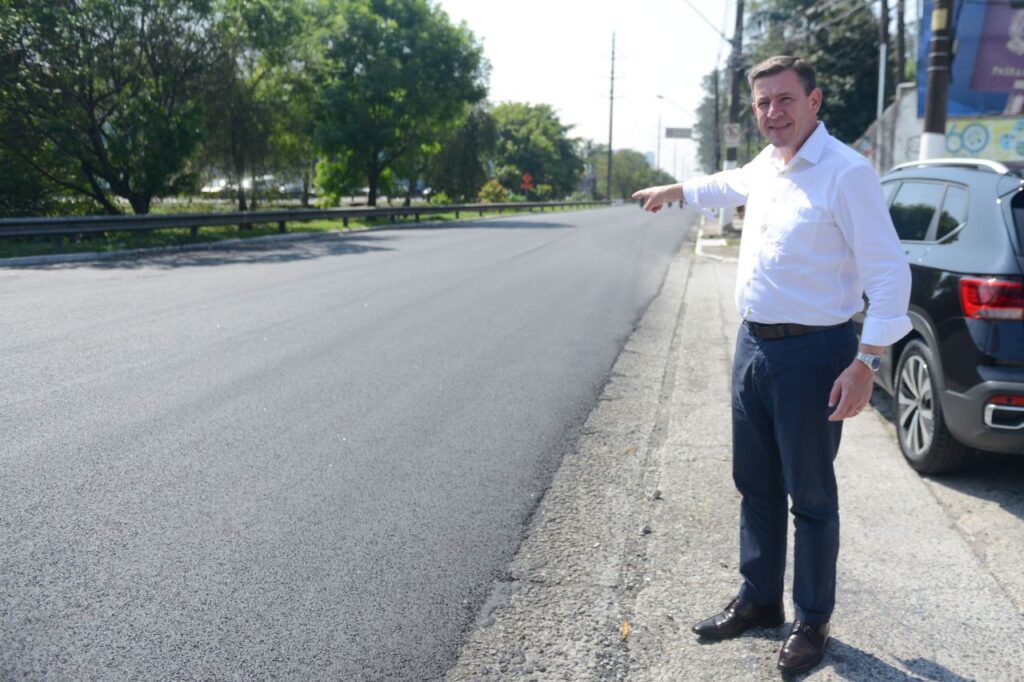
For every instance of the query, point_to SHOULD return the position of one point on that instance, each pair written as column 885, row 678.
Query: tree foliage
column 531, row 139
column 106, row 103
column 630, row 171
column 460, row 168
column 108, row 92
column 838, row 39
column 255, row 46
column 393, row 75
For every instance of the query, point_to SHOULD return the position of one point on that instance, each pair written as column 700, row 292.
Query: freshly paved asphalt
column 307, row 459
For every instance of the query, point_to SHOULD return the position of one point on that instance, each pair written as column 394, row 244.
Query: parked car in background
column 958, row 378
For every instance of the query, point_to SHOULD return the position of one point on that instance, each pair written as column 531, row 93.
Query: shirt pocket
column 796, row 231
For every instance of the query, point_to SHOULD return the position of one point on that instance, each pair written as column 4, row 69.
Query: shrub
column 493, row 192
column 441, row 199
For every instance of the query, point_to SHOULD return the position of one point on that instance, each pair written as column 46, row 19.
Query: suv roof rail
column 974, row 163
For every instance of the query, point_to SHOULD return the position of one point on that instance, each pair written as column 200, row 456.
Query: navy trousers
column 784, row 445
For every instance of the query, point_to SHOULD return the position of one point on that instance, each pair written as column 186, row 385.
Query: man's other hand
column 851, row 391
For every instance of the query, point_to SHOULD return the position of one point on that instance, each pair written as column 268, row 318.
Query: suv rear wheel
column 925, row 440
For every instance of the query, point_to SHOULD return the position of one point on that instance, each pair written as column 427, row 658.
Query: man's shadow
column 850, row 663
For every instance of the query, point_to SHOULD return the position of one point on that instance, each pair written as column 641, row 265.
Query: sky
column 558, row 52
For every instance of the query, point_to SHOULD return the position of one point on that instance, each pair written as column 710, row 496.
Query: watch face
column 872, row 361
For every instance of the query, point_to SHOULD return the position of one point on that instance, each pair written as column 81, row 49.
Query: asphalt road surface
column 303, row 459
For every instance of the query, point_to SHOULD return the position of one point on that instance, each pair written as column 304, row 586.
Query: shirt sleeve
column 881, row 263
column 725, row 188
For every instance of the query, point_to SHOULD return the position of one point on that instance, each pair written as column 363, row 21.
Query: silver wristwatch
column 871, row 360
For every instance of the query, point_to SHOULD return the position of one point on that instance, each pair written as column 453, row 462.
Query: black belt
column 766, row 332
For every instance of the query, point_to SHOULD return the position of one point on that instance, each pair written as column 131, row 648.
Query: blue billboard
column 987, row 75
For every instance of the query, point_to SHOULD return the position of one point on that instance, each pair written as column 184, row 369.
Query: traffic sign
column 732, row 134
column 684, row 133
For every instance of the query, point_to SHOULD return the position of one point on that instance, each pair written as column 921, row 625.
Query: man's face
column 786, row 115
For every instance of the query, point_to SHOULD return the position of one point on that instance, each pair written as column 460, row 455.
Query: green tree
column 630, row 172
column 704, row 130
column 23, row 191
column 533, row 140
column 460, row 169
column 838, row 39
column 395, row 73
column 255, row 46
column 110, row 89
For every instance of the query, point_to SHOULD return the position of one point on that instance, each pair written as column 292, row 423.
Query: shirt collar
column 811, row 150
column 814, row 146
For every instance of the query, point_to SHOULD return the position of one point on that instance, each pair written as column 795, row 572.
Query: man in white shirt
column 816, row 236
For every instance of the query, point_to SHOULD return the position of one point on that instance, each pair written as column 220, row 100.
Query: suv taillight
column 991, row 299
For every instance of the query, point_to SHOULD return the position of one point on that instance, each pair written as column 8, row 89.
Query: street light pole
column 657, row 155
column 661, row 131
column 732, row 139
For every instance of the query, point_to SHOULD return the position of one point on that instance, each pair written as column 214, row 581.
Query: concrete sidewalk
column 637, row 538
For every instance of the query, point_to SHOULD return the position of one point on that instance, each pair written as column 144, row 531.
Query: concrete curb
column 715, row 242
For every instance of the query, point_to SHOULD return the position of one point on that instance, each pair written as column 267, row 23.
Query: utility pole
column 933, row 140
column 901, row 41
column 718, row 127
column 732, row 137
column 611, row 114
column 883, row 64
column 657, row 154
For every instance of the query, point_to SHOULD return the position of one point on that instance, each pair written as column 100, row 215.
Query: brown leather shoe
column 737, row 618
column 804, row 648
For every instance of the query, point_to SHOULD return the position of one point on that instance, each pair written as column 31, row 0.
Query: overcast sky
column 558, row 52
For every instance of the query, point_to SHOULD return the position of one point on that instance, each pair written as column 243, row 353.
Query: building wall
column 998, row 138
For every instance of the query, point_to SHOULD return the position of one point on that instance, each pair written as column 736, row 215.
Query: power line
column 708, row 22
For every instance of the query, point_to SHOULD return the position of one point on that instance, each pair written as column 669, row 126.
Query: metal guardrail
column 61, row 227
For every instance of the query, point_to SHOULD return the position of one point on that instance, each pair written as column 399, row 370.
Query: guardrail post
column 344, row 221
column 281, row 227
column 58, row 243
column 194, row 232
column 417, row 215
column 456, row 215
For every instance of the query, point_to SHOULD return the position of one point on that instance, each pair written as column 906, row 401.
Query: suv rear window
column 913, row 209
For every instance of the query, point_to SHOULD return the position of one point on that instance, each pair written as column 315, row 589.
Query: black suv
column 958, row 377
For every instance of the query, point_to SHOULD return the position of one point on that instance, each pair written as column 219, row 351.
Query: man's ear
column 816, row 97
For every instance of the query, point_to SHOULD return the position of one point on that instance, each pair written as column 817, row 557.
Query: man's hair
column 780, row 63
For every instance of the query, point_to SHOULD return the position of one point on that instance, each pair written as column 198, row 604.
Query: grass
column 109, row 242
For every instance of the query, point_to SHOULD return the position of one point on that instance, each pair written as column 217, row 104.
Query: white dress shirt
column 816, row 235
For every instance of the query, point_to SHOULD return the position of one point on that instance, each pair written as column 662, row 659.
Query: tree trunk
column 242, row 205
column 140, row 203
column 252, row 201
column 305, row 189
column 374, row 179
